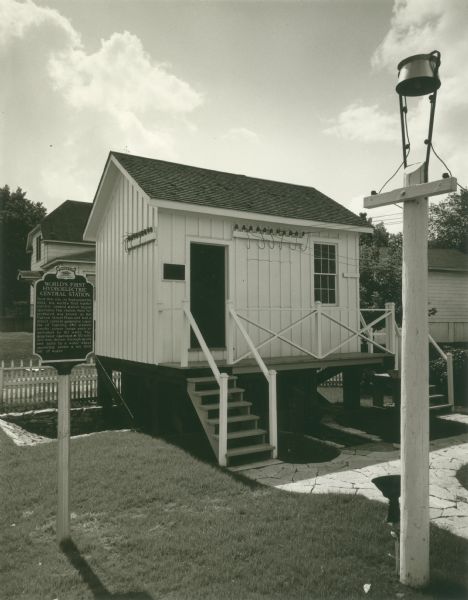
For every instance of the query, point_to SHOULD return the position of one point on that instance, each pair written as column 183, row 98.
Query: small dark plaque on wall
column 174, row 272
column 63, row 317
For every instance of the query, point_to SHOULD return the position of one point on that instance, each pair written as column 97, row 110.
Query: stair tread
column 249, row 450
column 206, row 379
column 236, row 404
column 216, row 391
column 434, row 406
column 431, row 396
column 235, row 419
column 233, row 435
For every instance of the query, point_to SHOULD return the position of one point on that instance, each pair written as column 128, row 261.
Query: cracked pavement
column 352, row 471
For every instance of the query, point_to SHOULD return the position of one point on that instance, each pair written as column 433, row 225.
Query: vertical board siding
column 125, row 310
column 447, row 293
column 139, row 315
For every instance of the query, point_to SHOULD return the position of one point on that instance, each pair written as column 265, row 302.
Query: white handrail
column 270, row 376
column 222, row 380
column 250, row 344
column 203, row 346
column 448, row 357
column 437, row 347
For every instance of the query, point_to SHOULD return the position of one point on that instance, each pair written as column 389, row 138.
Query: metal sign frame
column 63, row 274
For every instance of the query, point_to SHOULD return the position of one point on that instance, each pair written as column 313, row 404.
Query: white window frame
column 334, row 275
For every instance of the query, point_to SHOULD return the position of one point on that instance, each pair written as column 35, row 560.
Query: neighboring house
column 448, row 294
column 201, row 272
column 58, row 240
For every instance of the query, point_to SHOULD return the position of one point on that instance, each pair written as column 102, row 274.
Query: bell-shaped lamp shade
column 418, row 75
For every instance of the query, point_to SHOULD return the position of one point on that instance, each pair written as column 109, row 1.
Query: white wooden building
column 448, row 295
column 210, row 273
column 58, row 240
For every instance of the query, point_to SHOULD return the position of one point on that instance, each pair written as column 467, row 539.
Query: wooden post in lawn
column 63, row 442
column 414, row 540
column 414, row 521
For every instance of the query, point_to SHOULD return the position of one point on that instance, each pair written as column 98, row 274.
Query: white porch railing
column 270, row 375
column 320, row 316
column 221, row 378
column 447, row 356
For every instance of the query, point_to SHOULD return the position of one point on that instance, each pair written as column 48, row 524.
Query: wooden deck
column 293, row 363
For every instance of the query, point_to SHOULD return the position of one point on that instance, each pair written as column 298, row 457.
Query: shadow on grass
column 89, row 577
column 462, row 476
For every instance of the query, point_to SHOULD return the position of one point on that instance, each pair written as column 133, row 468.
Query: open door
column 208, row 293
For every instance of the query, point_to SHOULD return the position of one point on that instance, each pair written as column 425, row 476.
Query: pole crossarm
column 413, row 192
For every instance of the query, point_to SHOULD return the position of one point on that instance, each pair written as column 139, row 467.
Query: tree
column 18, row 216
column 380, row 268
column 448, row 222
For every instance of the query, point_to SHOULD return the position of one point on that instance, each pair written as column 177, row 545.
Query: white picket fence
column 335, row 381
column 28, row 385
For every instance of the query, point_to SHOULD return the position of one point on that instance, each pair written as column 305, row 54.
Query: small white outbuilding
column 203, row 274
column 448, row 295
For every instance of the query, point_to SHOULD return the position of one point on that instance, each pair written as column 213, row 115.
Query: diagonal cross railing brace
column 277, row 335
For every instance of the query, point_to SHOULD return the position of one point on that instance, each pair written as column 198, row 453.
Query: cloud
column 17, row 19
column 241, row 134
column 120, row 78
column 364, row 123
column 420, row 26
column 115, row 97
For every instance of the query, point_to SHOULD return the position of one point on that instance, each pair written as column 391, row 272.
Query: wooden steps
column 390, row 383
column 246, row 441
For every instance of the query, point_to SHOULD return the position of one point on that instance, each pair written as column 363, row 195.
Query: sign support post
column 63, row 442
column 63, row 337
column 414, row 523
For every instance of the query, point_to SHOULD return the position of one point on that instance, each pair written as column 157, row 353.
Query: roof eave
column 247, row 215
column 91, row 229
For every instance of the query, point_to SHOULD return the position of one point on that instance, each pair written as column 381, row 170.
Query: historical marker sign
column 63, row 317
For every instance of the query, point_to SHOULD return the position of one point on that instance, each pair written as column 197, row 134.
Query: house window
column 38, row 247
column 325, row 273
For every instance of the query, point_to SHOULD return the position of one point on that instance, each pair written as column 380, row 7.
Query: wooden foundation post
column 104, row 394
column 352, row 387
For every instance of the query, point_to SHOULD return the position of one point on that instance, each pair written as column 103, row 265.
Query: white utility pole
column 414, row 520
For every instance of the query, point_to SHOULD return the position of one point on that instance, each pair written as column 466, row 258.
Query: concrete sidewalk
column 352, row 471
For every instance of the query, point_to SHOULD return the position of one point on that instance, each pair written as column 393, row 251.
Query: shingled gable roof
column 447, row 259
column 67, row 222
column 162, row 180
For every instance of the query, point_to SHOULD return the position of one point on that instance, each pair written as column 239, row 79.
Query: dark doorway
column 208, row 293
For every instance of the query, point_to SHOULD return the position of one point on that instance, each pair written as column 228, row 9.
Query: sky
column 295, row 91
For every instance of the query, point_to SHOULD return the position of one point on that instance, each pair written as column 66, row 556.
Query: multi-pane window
column 325, row 273
column 38, row 247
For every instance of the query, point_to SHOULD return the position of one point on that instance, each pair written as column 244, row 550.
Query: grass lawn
column 16, row 345
column 149, row 521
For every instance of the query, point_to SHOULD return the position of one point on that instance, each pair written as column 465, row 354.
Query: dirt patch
column 301, row 449
column 386, row 424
